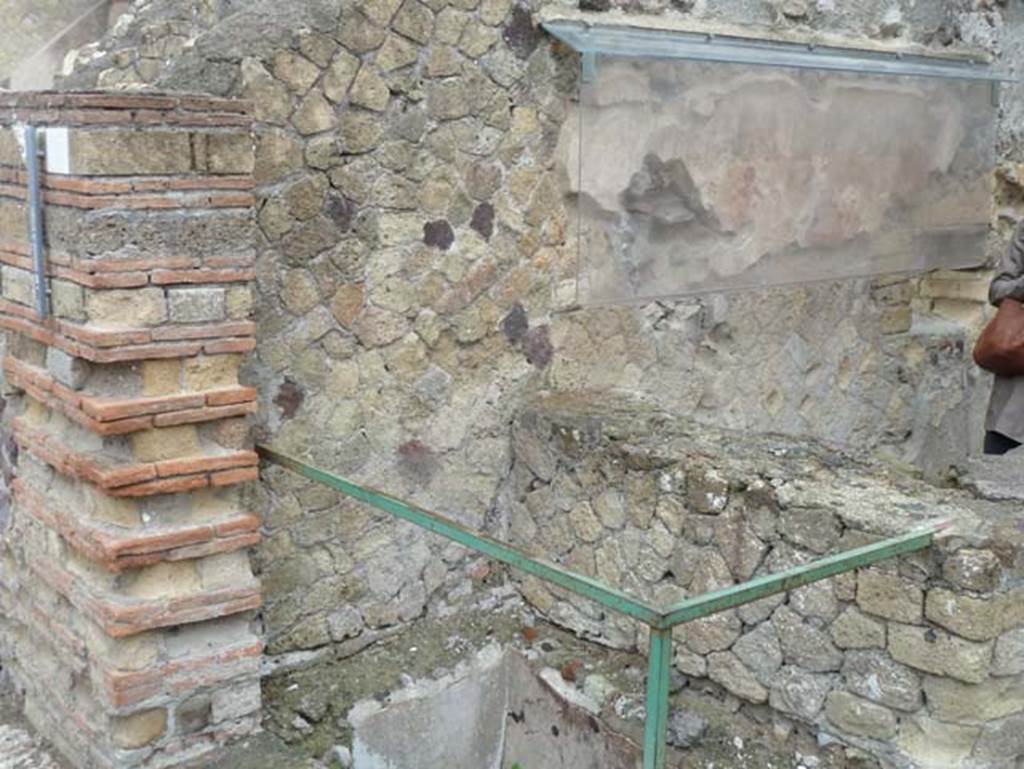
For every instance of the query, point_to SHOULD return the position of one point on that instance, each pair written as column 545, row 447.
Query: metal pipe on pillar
column 33, row 154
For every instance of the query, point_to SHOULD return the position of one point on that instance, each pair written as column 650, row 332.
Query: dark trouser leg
column 997, row 443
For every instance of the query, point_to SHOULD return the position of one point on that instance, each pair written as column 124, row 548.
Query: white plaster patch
column 58, row 150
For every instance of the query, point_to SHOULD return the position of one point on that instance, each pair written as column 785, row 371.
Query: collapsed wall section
column 126, row 588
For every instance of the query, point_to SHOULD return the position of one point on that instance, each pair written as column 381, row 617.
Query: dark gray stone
column 520, row 33
column 438, row 233
column 483, row 220
column 516, row 323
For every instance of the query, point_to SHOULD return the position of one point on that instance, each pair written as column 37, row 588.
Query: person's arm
column 1009, row 280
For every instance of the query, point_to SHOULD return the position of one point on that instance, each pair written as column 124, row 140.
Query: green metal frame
column 660, row 621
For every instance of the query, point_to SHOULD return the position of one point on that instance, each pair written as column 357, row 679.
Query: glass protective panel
column 702, row 176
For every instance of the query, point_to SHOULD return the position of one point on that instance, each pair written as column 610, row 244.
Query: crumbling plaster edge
column 803, row 36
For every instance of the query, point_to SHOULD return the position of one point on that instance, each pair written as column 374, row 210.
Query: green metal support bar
column 492, row 548
column 659, row 663
column 660, row 622
column 762, row 587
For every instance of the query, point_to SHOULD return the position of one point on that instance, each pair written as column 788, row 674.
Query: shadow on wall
column 68, row 26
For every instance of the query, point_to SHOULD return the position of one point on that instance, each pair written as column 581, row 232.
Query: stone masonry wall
column 415, row 266
column 33, row 23
column 415, row 277
column 126, row 594
column 919, row 660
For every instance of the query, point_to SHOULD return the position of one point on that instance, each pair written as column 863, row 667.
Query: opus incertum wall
column 919, row 660
column 125, row 586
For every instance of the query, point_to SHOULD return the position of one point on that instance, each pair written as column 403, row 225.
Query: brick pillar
column 124, row 578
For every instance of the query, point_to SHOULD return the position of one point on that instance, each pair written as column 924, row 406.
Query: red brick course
column 113, row 117
column 117, row 549
column 229, row 275
column 136, row 201
column 140, row 109
column 120, row 479
column 204, row 414
column 112, row 272
column 120, row 616
column 223, row 346
column 101, row 278
column 117, row 185
column 112, row 346
column 107, row 416
column 151, row 100
column 231, row 477
column 129, row 688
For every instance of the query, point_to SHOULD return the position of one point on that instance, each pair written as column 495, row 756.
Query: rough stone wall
column 31, row 23
column 415, row 277
column 126, row 595
column 918, row 660
column 416, row 271
column 39, row 34
column 151, row 34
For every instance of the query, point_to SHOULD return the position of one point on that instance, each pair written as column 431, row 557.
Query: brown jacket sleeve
column 1009, row 280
